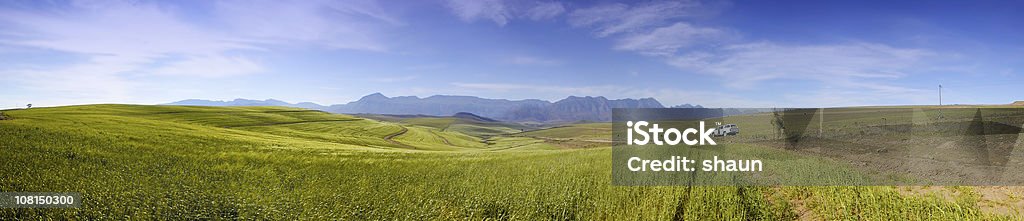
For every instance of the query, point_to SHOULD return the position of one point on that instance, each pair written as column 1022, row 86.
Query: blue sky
column 714, row 53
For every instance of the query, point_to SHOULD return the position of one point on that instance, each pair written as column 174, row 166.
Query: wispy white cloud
column 545, row 10
column 668, row 40
column 531, row 60
column 334, row 24
column 426, row 67
column 120, row 43
column 711, row 99
column 823, row 97
column 472, row 10
column 615, row 18
column 210, row 66
column 659, row 30
column 743, row 65
column 501, row 12
column 394, row 79
column 531, row 88
column 829, row 75
column 667, row 96
column 95, row 81
column 115, row 29
column 111, row 41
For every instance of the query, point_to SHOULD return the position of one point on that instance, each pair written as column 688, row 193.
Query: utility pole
column 940, row 101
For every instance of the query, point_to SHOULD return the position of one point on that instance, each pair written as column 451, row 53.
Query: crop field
column 460, row 125
column 185, row 162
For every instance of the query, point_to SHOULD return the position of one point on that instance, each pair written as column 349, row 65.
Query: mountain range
column 247, row 102
column 570, row 109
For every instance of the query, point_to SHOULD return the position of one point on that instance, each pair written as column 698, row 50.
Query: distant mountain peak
column 687, row 106
column 571, row 97
column 247, row 102
column 374, row 96
column 571, row 109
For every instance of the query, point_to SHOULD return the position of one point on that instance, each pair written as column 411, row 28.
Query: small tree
column 778, row 124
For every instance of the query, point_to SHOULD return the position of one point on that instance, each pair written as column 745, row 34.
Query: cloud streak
column 616, row 18
column 335, row 24
column 531, row 61
column 531, row 88
column 854, row 69
column 394, row 79
column 122, row 42
column 668, row 40
column 210, row 67
column 502, row 12
column 744, row 65
column 668, row 97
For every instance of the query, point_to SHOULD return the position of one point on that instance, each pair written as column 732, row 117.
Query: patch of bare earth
column 803, row 212
column 1002, row 200
column 943, row 193
column 997, row 200
column 797, row 202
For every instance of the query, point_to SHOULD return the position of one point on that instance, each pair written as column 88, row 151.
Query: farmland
column 185, row 162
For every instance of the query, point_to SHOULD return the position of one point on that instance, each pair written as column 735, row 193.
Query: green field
column 183, row 162
column 470, row 127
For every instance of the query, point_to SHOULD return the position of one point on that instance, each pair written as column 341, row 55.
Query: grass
column 461, row 125
column 174, row 162
column 482, row 130
column 587, row 131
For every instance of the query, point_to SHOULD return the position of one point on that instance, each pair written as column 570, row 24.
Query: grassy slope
column 588, row 131
column 466, row 126
column 280, row 163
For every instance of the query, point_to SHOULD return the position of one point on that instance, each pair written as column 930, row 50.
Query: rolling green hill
column 183, row 162
column 287, row 124
column 587, row 135
column 587, row 131
column 466, row 126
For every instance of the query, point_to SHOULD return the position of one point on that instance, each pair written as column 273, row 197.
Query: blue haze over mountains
column 570, row 109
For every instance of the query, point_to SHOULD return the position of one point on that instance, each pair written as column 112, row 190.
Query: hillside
column 277, row 163
column 247, row 102
column 278, row 125
column 466, row 123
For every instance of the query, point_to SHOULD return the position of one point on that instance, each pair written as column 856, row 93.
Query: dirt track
column 395, row 142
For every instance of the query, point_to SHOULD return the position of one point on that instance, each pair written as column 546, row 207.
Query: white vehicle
column 724, row 130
